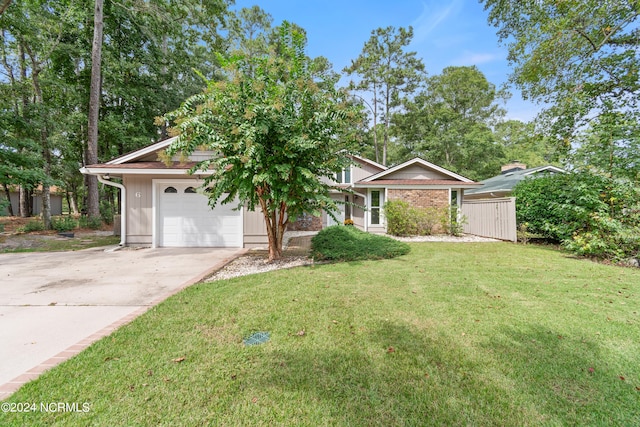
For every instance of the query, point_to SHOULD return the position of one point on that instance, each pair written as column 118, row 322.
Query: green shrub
column 339, row 243
column 4, row 206
column 106, row 212
column 30, row 226
column 91, row 222
column 589, row 214
column 406, row 220
column 64, row 223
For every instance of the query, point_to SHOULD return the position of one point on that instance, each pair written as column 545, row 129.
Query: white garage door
column 186, row 220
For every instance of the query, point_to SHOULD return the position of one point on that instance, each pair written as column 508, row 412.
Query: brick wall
column 306, row 223
column 421, row 198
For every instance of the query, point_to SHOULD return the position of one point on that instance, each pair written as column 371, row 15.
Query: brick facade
column 306, row 223
column 421, row 198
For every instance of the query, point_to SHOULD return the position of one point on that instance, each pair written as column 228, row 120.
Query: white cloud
column 433, row 14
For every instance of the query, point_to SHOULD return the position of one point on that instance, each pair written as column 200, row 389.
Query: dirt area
column 13, row 240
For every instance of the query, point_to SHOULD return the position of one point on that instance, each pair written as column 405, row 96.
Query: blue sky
column 446, row 33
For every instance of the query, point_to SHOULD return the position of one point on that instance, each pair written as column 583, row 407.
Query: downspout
column 123, row 206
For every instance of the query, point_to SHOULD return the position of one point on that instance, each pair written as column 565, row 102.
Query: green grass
column 347, row 243
column 450, row 334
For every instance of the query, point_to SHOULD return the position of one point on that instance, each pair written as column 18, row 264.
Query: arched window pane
column 190, row 190
column 170, row 190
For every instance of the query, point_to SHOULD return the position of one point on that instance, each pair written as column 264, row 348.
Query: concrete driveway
column 55, row 304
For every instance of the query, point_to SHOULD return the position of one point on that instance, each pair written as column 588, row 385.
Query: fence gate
column 494, row 218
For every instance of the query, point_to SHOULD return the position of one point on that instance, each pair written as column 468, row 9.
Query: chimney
column 512, row 167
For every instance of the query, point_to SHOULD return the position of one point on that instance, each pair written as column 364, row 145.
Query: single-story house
column 164, row 205
column 502, row 185
column 56, row 197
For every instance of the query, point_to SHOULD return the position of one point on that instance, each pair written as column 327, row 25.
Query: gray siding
column 255, row 230
column 417, row 172
column 139, row 208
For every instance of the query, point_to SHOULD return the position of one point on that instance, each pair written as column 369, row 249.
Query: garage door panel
column 186, row 220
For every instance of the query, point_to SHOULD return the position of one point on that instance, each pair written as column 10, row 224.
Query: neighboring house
column 503, row 184
column 164, row 205
column 36, row 200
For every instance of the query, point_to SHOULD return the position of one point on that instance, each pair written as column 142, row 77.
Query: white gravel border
column 253, row 264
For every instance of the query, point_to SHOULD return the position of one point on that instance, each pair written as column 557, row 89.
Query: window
column 190, row 190
column 375, row 207
column 344, row 177
column 170, row 190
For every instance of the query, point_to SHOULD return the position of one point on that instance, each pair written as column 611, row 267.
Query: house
column 165, row 206
column 503, row 184
column 56, row 197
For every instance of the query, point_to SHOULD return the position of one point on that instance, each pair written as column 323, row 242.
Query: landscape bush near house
column 33, row 225
column 589, row 214
column 339, row 243
column 64, row 223
column 406, row 220
column 91, row 222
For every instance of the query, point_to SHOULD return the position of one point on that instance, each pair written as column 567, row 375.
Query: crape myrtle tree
column 278, row 127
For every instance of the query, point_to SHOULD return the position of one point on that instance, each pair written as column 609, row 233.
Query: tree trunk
column 4, row 5
column 23, row 205
column 73, row 208
column 274, row 230
column 93, row 196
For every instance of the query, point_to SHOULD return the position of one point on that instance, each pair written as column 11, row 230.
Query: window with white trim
column 375, row 207
column 344, row 177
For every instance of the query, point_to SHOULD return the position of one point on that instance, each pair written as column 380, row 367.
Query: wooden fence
column 494, row 218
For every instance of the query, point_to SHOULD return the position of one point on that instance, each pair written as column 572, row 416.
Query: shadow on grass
column 404, row 378
column 393, row 374
column 573, row 379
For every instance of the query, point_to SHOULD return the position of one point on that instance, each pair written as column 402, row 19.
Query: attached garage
column 184, row 218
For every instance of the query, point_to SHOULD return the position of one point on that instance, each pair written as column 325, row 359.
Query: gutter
column 123, row 220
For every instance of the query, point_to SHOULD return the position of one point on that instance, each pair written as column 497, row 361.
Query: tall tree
column 277, row 131
column 249, row 31
column 93, row 202
column 450, row 122
column 389, row 74
column 580, row 57
column 520, row 141
column 610, row 146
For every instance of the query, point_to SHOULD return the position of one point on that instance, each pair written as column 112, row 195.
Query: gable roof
column 141, row 152
column 370, row 162
column 507, row 181
column 422, row 163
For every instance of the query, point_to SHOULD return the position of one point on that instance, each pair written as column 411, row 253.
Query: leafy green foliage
column 610, row 146
column 341, row 243
column 91, row 222
column 449, row 123
column 388, row 74
column 64, row 223
column 31, row 226
column 581, row 57
column 590, row 214
column 406, row 220
column 278, row 129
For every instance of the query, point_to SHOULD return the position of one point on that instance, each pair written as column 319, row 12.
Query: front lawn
column 450, row 334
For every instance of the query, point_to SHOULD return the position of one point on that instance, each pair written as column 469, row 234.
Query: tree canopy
column 388, row 73
column 580, row 57
column 450, row 122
